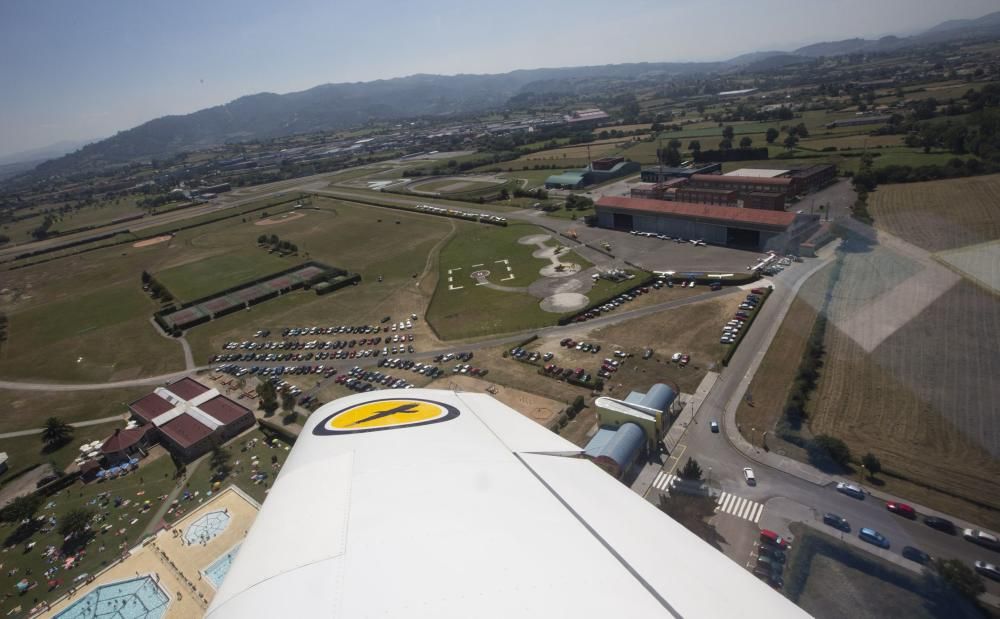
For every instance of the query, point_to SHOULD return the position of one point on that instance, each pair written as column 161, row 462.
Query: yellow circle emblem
column 385, row 415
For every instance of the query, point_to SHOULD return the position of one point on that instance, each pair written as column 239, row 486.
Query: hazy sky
column 72, row 69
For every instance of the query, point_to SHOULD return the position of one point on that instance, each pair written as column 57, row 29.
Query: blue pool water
column 206, row 527
column 216, row 572
column 138, row 598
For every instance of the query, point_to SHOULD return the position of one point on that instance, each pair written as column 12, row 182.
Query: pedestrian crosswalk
column 739, row 507
column 726, row 503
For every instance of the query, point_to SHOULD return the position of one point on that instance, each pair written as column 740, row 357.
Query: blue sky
column 74, row 70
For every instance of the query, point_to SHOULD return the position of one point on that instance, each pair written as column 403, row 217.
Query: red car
column 902, row 509
column 773, row 538
column 685, row 359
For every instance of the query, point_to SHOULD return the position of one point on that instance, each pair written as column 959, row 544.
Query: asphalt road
column 714, row 451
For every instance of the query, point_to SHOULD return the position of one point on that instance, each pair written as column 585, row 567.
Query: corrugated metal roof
column 620, row 444
column 566, row 178
column 753, row 180
column 711, row 212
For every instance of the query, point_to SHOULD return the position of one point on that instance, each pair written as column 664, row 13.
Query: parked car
column 850, row 490
column 915, row 554
column 873, row 537
column 902, row 509
column 837, row 522
column 748, row 475
column 941, row 524
column 714, row 425
column 772, row 538
column 772, row 552
column 988, row 569
column 982, row 538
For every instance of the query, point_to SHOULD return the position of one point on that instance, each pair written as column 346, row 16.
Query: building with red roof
column 745, row 228
column 186, row 417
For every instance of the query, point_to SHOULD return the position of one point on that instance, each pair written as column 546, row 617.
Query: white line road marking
column 477, row 265
column 740, row 507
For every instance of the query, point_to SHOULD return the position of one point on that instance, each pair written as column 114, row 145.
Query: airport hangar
column 444, row 504
column 743, row 228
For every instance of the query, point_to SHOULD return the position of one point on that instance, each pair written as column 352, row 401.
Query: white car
column 675, row 357
column 988, row 569
column 749, row 476
column 850, row 490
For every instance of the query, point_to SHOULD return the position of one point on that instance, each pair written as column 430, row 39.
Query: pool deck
column 176, row 565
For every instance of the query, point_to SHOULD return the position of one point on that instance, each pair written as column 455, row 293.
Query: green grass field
column 151, row 481
column 195, row 280
column 363, row 239
column 477, row 310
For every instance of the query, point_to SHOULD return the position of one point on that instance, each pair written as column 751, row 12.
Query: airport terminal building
column 743, row 228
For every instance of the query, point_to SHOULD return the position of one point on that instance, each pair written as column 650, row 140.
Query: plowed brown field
column 939, row 215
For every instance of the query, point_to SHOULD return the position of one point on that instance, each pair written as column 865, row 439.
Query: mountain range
column 337, row 106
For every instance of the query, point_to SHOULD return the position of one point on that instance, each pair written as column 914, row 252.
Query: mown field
column 204, row 276
column 939, row 215
column 478, row 310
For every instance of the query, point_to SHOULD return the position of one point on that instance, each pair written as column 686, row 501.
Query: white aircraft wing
column 427, row 503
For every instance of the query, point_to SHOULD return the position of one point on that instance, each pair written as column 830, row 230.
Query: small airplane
column 699, row 242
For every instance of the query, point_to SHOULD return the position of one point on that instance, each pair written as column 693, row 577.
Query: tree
column 504, row 194
column 725, row 144
column 801, row 130
column 691, row 470
column 871, row 462
column 674, row 144
column 268, row 397
column 56, row 433
column 146, row 277
column 273, row 239
column 287, row 401
column 728, row 132
column 219, row 460
column 745, row 142
column 772, row 135
column 75, row 521
column 826, row 447
column 694, row 146
column 21, row 508
column 262, row 239
column 960, row 576
column 791, row 141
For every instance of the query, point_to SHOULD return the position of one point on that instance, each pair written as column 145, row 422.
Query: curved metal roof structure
column 441, row 504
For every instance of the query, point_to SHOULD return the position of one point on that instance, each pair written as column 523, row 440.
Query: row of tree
column 156, row 289
column 276, row 244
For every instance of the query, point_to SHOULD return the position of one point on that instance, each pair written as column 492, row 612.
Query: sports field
column 451, row 185
column 206, row 276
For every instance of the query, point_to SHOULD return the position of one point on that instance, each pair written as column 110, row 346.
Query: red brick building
column 188, row 418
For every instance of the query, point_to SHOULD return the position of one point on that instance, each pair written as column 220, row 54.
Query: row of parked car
column 731, row 330
column 275, row 370
column 461, row 356
column 770, row 566
column 581, row 346
column 310, row 356
column 450, row 212
column 360, row 380
column 291, row 331
column 426, row 369
column 613, row 304
column 976, row 536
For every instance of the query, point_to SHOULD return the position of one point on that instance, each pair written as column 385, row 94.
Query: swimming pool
column 206, row 527
column 137, row 598
column 216, row 572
